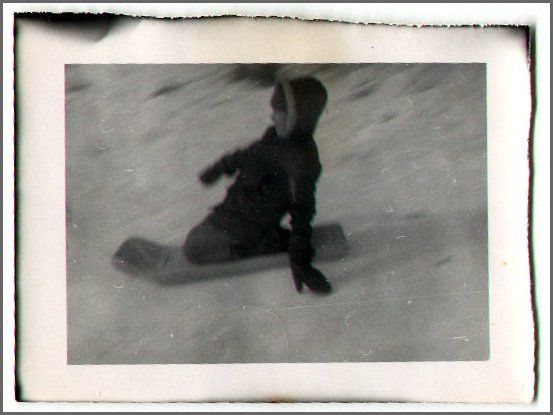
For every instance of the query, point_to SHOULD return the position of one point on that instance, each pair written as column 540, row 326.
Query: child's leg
column 207, row 244
column 273, row 242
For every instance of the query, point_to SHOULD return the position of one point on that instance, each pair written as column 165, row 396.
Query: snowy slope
column 403, row 149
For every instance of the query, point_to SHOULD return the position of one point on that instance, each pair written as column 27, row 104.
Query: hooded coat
column 275, row 176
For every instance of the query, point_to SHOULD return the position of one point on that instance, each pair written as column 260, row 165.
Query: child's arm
column 227, row 164
column 300, row 250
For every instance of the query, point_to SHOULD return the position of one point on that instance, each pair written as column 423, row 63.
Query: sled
column 168, row 264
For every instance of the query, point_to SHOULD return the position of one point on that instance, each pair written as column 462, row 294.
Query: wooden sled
column 168, row 264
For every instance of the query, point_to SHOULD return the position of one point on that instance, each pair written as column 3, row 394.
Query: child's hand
column 313, row 278
column 209, row 175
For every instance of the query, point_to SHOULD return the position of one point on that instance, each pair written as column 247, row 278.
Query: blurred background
column 403, row 148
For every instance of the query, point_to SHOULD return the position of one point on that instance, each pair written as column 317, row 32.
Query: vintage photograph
column 271, row 209
column 276, row 213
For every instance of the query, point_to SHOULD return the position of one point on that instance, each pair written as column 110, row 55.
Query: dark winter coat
column 275, row 176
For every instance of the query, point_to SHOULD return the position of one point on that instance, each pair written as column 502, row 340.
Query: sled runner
column 168, row 264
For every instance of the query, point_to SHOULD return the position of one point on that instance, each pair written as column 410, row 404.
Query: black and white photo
column 261, row 210
column 402, row 164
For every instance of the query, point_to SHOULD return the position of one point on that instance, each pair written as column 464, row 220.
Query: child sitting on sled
column 276, row 176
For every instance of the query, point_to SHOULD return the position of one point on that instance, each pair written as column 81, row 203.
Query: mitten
column 312, row 277
column 211, row 174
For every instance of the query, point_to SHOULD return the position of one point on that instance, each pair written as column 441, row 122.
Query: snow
column 403, row 149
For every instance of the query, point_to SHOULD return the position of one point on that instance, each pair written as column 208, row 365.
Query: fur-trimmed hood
column 303, row 100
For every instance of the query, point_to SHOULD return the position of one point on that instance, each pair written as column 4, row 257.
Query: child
column 277, row 175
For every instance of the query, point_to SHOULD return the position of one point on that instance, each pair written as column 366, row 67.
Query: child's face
column 280, row 119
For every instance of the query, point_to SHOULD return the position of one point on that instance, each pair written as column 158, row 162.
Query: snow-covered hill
column 403, row 149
